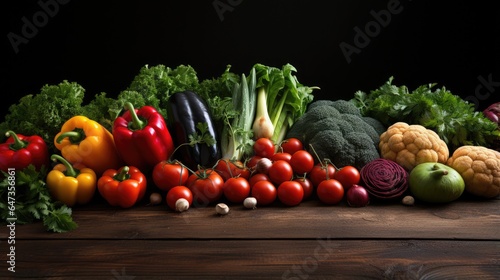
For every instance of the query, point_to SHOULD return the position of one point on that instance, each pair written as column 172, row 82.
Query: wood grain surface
column 459, row 240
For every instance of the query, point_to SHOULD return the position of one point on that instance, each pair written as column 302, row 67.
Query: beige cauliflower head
column 410, row 145
column 480, row 169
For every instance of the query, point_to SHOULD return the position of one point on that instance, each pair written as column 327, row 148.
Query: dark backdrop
column 103, row 44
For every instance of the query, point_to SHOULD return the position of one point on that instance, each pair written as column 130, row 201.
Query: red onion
column 493, row 112
column 384, row 179
column 357, row 196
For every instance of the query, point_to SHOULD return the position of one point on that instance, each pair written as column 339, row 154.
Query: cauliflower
column 480, row 169
column 410, row 145
column 337, row 131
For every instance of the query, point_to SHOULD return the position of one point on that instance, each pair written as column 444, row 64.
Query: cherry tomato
column 206, row 186
column 257, row 177
column 290, row 193
column 291, row 145
column 167, row 174
column 330, row 191
column 302, row 162
column 236, row 189
column 231, row 168
column 307, row 186
column 252, row 162
column 264, row 147
column 319, row 171
column 281, row 156
column 347, row 176
column 280, row 171
column 177, row 193
column 265, row 192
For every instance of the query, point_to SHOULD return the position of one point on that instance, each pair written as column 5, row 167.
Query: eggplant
column 185, row 110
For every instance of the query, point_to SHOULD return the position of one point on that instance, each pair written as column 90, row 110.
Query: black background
column 102, row 44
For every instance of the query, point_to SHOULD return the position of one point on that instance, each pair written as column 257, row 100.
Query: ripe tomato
column 330, row 191
column 319, row 171
column 290, row 193
column 280, row 171
column 264, row 147
column 231, row 168
column 177, row 193
column 236, row 189
column 167, row 174
column 307, row 186
column 265, row 192
column 252, row 162
column 281, row 156
column 257, row 177
column 347, row 176
column 302, row 162
column 206, row 186
column 291, row 145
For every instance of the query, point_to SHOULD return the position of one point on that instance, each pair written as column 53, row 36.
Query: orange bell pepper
column 82, row 140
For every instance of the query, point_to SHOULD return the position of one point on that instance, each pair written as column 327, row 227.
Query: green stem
column 18, row 143
column 276, row 112
column 123, row 175
column 70, row 170
column 74, row 136
column 136, row 123
column 438, row 172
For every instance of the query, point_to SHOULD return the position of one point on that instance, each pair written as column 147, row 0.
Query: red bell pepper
column 20, row 151
column 142, row 137
column 123, row 187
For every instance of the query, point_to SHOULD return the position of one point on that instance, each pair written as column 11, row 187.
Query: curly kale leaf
column 157, row 83
column 452, row 118
column 44, row 113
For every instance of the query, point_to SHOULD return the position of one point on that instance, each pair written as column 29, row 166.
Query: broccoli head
column 337, row 131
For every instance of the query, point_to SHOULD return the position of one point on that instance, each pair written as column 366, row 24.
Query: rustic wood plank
column 266, row 259
column 467, row 219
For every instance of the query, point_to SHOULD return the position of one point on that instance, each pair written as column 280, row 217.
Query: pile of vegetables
column 242, row 138
column 165, row 116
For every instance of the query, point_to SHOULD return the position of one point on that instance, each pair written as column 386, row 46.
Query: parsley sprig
column 452, row 118
column 33, row 201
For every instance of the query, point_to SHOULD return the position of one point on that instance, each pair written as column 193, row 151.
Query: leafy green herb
column 452, row 118
column 157, row 83
column 44, row 113
column 219, row 87
column 33, row 201
column 203, row 137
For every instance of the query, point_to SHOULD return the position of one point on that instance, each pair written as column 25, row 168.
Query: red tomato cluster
column 287, row 173
column 293, row 175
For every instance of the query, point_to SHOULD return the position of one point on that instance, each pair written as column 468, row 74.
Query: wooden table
column 460, row 240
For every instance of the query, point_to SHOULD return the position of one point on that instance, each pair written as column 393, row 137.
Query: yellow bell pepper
column 69, row 185
column 85, row 141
